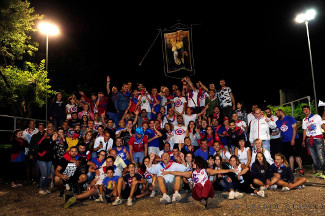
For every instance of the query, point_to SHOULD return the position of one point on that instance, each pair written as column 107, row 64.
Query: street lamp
column 305, row 17
column 47, row 29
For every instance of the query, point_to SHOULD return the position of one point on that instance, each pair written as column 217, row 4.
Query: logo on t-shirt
column 179, row 131
column 284, row 128
column 178, row 103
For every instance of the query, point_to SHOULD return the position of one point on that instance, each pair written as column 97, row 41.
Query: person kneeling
column 129, row 186
column 108, row 186
column 203, row 188
column 167, row 184
column 281, row 175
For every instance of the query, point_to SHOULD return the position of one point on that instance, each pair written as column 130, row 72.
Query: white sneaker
column 176, row 197
column 153, row 194
column 238, row 195
column 261, row 193
column 231, row 195
column 165, row 199
column 263, row 188
column 284, row 189
column 273, row 187
column 100, row 199
column 129, row 202
column 118, row 201
column 42, row 192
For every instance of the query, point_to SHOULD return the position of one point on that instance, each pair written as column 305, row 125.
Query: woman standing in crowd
column 44, row 159
column 193, row 133
column 17, row 157
column 71, row 107
column 259, row 148
column 57, row 110
column 243, row 153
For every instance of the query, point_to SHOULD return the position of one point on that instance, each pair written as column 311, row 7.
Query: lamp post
column 47, row 29
column 304, row 18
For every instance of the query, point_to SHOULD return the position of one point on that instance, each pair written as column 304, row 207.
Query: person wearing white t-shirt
column 312, row 125
column 103, row 143
column 145, row 101
column 171, row 117
column 191, row 117
column 180, row 102
column 179, row 132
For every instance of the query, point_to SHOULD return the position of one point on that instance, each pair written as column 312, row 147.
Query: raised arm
column 108, row 81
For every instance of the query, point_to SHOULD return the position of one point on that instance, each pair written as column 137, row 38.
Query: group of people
column 131, row 144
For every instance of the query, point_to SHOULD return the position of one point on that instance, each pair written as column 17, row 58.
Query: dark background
column 256, row 46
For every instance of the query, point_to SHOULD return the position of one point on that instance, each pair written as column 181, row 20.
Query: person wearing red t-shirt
column 138, row 146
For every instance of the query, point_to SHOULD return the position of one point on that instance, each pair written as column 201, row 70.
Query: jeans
column 114, row 117
column 138, row 157
column 45, row 168
column 226, row 185
column 317, row 153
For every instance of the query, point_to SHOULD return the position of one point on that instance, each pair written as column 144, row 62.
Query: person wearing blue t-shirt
column 108, row 188
column 122, row 151
column 288, row 128
column 153, row 135
column 205, row 151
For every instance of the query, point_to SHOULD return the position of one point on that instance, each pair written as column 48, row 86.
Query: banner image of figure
column 177, row 51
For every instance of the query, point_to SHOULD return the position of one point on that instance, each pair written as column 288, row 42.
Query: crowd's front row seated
column 168, row 177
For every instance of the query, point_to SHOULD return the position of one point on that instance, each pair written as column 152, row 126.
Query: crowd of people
column 132, row 143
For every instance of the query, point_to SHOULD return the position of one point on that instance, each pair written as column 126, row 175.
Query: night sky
column 256, row 47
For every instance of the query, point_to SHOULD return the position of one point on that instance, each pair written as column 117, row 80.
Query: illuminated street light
column 47, row 29
column 304, row 18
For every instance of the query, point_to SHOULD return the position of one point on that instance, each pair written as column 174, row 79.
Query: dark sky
column 256, row 46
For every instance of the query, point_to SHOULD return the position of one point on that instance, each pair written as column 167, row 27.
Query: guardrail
column 291, row 103
column 23, row 124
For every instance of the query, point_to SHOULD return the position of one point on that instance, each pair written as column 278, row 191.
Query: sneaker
column 48, row 191
column 301, row 171
column 100, row 199
column 261, row 193
column 262, row 188
column 284, row 189
column 238, row 195
column 129, row 202
column 165, row 199
column 231, row 195
column 52, row 185
column 176, row 197
column 42, row 192
column 70, row 202
column 153, row 194
column 322, row 176
column 108, row 198
column 316, row 175
column 273, row 187
column 118, row 201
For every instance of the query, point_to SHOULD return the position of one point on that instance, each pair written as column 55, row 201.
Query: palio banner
column 177, row 50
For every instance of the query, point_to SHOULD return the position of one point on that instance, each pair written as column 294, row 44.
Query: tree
column 28, row 88
column 25, row 87
column 16, row 25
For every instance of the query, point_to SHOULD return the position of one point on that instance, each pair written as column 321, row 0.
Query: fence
column 8, row 124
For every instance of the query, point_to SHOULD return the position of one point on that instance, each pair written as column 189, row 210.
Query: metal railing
column 291, row 103
column 23, row 124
